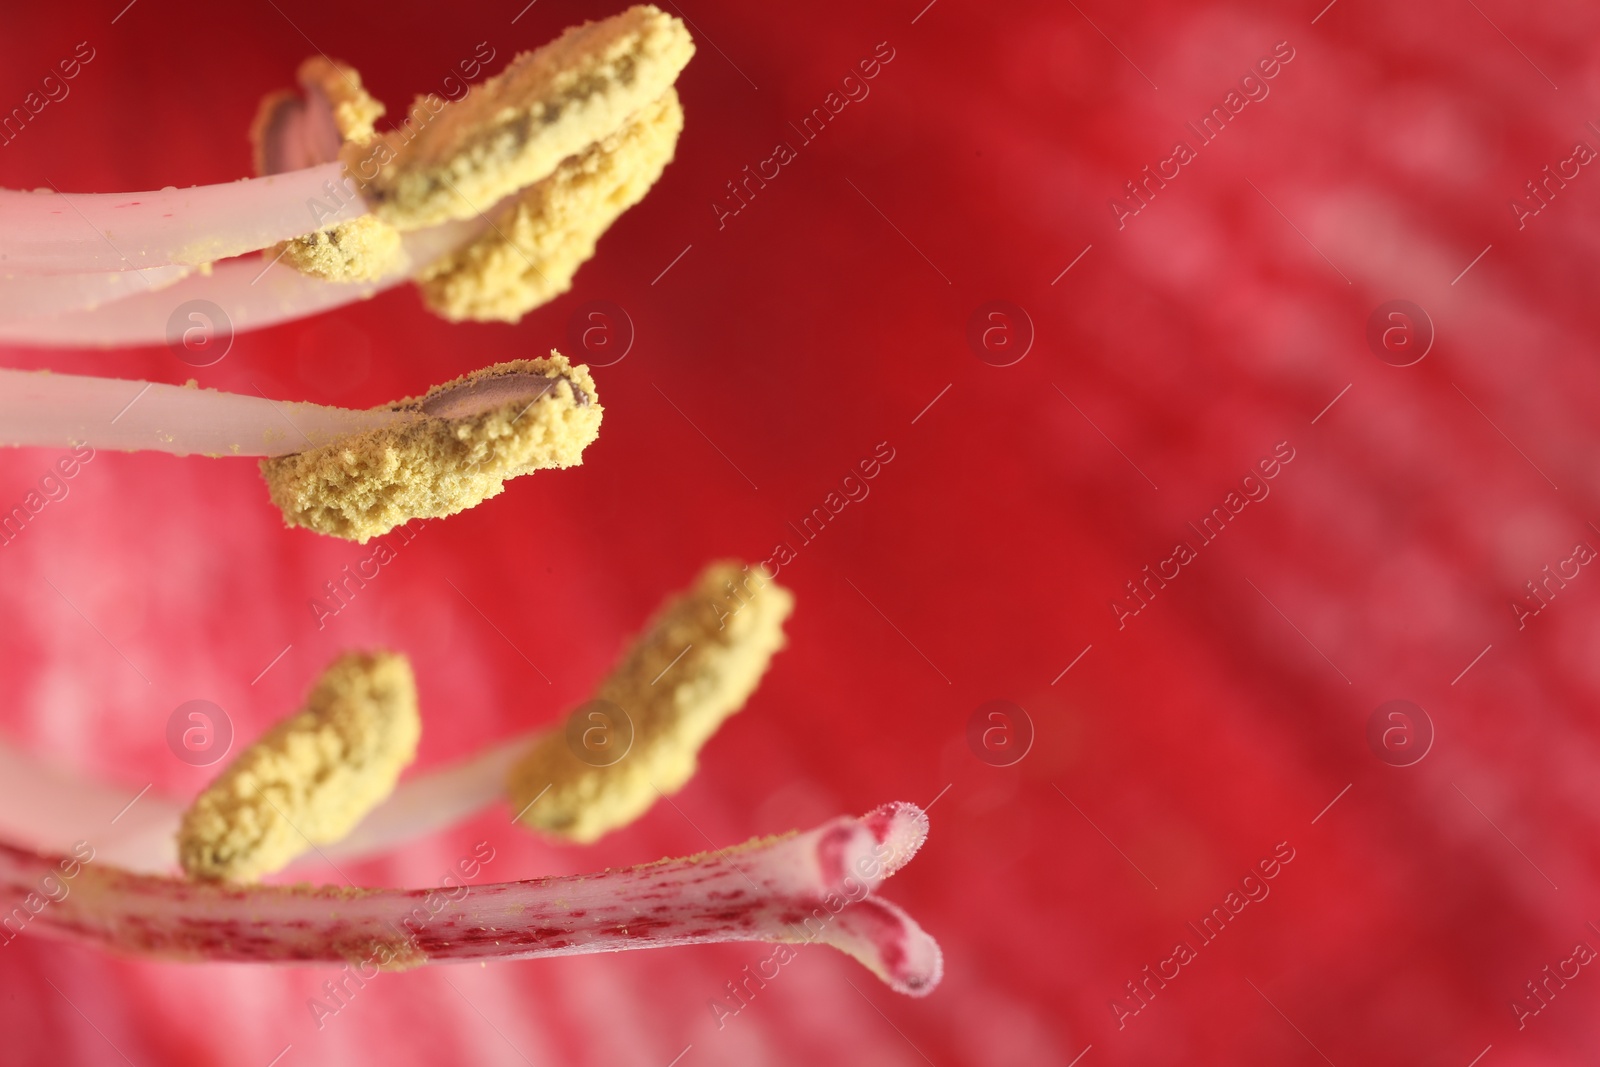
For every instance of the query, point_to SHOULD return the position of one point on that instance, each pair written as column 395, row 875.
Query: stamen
column 309, row 780
column 549, row 119
column 537, row 244
column 49, row 808
column 804, row 887
column 461, row 443
column 699, row 660
column 352, row 474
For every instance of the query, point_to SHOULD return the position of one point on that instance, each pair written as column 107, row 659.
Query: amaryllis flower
column 1174, row 422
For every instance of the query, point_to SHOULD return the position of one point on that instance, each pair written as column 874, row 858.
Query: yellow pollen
column 537, row 244
column 310, row 779
column 444, row 458
column 515, row 128
column 697, row 663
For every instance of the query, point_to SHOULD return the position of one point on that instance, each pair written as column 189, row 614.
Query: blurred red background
column 1178, row 351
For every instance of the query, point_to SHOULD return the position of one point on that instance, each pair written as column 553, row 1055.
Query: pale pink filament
column 66, row 233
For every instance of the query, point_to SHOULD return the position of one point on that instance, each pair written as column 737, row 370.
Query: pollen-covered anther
column 309, row 779
column 582, row 127
column 453, row 448
column 697, row 662
column 539, row 241
column 516, row 128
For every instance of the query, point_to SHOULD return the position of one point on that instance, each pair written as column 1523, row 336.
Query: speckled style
column 801, row 888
